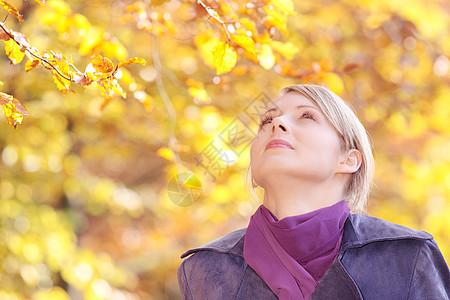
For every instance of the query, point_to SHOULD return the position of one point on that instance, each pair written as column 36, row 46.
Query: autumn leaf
column 197, row 91
column 21, row 40
column 288, row 50
column 41, row 2
column 110, row 86
column 62, row 63
column 102, row 64
column 333, row 81
column 12, row 10
column 276, row 19
column 13, row 110
column 31, row 64
column 248, row 25
column 225, row 57
column 245, row 42
column 13, row 51
column 284, row 6
column 352, row 66
column 136, row 60
column 266, row 57
column 166, row 153
column 82, row 79
column 4, row 36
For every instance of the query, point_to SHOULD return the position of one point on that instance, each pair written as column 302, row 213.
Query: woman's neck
column 290, row 199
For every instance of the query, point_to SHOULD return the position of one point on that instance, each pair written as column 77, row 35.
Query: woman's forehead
column 291, row 101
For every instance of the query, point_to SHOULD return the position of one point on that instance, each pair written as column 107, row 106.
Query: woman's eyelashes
column 264, row 120
column 268, row 118
column 308, row 115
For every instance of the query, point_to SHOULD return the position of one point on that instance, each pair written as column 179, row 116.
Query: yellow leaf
column 199, row 95
column 266, row 57
column 41, row 2
column 276, row 18
column 1, row 83
column 197, row 91
column 13, row 51
column 113, row 48
column 81, row 22
column 249, row 25
column 136, row 60
column 245, row 42
column 61, row 83
column 91, row 39
column 13, row 110
column 12, row 10
column 165, row 153
column 284, row 6
column 334, row 82
column 206, row 41
column 288, row 50
column 110, row 86
column 62, row 63
column 102, row 64
column 225, row 57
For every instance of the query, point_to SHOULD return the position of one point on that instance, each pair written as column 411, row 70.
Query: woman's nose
column 278, row 124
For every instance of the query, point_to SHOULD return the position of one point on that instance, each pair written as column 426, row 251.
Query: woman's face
column 294, row 139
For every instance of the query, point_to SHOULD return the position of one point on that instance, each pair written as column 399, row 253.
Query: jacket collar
column 359, row 230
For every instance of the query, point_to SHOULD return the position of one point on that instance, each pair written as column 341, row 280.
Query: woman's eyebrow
column 297, row 107
column 269, row 110
column 307, row 106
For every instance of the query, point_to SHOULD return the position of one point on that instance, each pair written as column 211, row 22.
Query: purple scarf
column 293, row 254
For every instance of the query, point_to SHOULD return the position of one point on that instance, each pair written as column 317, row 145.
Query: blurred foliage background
column 85, row 208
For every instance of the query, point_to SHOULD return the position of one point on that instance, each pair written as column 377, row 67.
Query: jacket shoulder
column 232, row 243
column 362, row 229
column 214, row 270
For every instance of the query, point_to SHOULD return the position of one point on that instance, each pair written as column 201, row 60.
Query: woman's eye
column 264, row 121
column 308, row 115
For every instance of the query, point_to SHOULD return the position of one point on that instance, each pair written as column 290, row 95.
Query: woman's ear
column 350, row 163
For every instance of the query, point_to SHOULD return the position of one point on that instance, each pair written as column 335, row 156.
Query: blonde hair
column 352, row 135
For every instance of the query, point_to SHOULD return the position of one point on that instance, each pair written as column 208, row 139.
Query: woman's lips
column 278, row 143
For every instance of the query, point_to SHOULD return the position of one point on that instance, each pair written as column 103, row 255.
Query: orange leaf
column 4, row 36
column 13, row 110
column 12, row 10
column 13, row 51
column 352, row 66
column 31, row 64
column 136, row 60
column 102, row 64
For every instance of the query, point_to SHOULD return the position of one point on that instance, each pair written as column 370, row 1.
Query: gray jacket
column 377, row 260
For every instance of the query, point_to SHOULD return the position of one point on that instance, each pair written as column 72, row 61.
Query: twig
column 75, row 68
column 215, row 16
column 173, row 143
column 35, row 55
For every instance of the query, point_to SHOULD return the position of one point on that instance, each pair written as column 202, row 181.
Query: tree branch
column 173, row 142
column 216, row 17
column 35, row 55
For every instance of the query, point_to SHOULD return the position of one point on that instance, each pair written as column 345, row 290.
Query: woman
column 313, row 159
